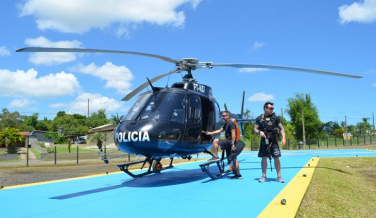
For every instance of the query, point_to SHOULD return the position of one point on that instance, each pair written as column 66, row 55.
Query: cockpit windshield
column 137, row 105
column 165, row 106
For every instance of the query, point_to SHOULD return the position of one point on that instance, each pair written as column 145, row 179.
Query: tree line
column 78, row 125
column 314, row 128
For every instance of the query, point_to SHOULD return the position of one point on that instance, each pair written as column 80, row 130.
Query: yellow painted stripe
column 64, row 180
column 293, row 193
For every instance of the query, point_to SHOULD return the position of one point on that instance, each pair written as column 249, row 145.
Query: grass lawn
column 341, row 187
column 35, row 152
column 63, row 149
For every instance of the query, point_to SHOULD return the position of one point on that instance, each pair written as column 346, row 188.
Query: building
column 107, row 131
column 37, row 136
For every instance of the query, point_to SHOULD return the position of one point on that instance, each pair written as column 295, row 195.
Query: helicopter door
column 194, row 121
column 208, row 122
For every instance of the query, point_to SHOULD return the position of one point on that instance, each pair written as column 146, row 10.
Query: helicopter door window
column 194, row 110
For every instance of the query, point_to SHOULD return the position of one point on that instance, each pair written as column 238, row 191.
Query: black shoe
column 236, row 177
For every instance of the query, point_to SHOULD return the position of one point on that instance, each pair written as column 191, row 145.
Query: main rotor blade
column 264, row 66
column 85, row 50
column 141, row 87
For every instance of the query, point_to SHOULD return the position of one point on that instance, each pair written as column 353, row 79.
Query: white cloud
column 261, row 97
column 374, row 84
column 251, row 70
column 257, row 45
column 20, row 103
column 96, row 102
column 79, row 16
column 4, row 51
column 21, row 84
column 117, row 77
column 363, row 12
column 371, row 71
column 52, row 58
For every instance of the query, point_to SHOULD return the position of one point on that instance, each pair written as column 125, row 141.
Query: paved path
column 183, row 191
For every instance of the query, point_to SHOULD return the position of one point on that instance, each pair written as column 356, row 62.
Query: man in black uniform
column 229, row 143
column 266, row 126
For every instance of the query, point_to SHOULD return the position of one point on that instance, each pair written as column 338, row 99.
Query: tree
column 11, row 120
column 58, row 139
column 311, row 118
column 98, row 139
column 10, row 137
column 115, row 119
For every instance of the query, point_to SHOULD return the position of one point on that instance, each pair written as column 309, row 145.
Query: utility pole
column 304, row 140
column 346, row 128
column 373, row 122
column 282, row 116
column 88, row 108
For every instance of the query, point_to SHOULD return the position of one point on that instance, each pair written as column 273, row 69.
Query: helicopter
column 171, row 122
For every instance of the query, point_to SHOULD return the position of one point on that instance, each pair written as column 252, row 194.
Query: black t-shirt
column 262, row 126
column 228, row 127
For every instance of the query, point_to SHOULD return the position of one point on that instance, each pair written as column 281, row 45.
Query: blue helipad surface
column 184, row 191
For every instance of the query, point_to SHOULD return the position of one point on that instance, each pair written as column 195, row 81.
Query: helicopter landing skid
column 157, row 167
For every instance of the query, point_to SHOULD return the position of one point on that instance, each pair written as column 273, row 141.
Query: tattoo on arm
column 256, row 129
column 281, row 127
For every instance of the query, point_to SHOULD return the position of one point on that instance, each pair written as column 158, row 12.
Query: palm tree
column 10, row 136
column 98, row 139
column 115, row 119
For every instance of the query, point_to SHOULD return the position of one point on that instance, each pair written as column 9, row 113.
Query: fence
column 293, row 144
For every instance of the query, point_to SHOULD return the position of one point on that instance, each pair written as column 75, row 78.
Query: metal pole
column 304, row 139
column 129, row 157
column 55, row 154
column 27, row 156
column 77, row 154
column 345, row 129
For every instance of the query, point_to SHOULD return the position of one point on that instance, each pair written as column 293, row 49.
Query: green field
column 341, row 187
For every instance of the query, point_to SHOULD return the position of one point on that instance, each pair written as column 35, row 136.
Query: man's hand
column 233, row 148
column 283, row 142
column 207, row 133
column 262, row 134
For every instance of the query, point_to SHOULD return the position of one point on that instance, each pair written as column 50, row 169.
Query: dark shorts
column 274, row 150
column 225, row 145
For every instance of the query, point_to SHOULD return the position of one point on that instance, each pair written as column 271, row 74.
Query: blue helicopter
column 171, row 122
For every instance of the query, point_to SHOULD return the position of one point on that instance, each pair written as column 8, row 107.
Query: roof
column 25, row 133
column 107, row 127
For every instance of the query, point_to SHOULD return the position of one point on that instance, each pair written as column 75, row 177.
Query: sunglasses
column 224, row 115
column 270, row 108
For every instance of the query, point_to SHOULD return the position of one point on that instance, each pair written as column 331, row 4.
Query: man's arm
column 214, row 132
column 280, row 126
column 259, row 132
column 233, row 136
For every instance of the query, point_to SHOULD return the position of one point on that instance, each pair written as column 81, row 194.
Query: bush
column 51, row 150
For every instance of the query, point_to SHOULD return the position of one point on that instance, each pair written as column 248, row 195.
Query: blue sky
column 336, row 36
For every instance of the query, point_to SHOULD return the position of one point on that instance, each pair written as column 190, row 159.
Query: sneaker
column 214, row 158
column 236, row 177
column 280, row 180
column 263, row 179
